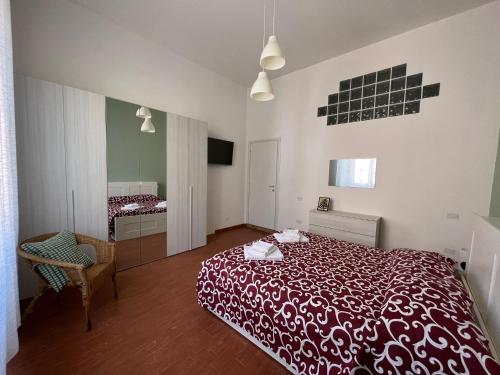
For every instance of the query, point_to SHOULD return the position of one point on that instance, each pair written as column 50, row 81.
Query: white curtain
column 9, row 301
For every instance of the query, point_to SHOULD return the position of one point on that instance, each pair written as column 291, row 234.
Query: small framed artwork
column 323, row 204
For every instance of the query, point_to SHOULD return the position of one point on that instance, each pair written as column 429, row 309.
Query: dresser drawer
column 344, row 223
column 347, row 226
column 343, row 235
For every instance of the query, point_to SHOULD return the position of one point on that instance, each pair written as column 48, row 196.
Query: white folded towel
column 263, row 248
column 131, row 206
column 290, row 236
column 162, row 204
column 251, row 254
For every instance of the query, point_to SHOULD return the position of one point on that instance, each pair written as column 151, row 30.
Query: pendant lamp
column 143, row 112
column 147, row 126
column 262, row 90
column 272, row 57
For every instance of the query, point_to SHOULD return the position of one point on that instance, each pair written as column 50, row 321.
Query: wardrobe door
column 40, row 157
column 41, row 165
column 85, row 129
column 197, row 180
column 178, row 237
column 186, row 184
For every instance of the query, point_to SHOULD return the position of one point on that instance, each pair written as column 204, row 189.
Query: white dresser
column 347, row 226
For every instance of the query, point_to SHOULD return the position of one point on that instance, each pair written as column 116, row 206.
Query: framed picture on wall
column 323, row 204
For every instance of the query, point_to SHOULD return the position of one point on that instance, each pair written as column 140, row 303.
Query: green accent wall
column 134, row 155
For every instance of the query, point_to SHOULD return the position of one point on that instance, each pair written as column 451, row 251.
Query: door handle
column 271, row 186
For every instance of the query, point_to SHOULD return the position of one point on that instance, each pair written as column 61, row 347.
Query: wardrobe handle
column 190, row 217
column 73, row 209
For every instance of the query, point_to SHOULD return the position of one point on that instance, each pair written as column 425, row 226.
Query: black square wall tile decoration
column 384, row 75
column 430, row 90
column 345, row 85
column 356, row 82
column 354, row 116
column 332, row 109
column 369, row 90
column 367, row 114
column 368, row 79
column 344, row 96
column 355, row 105
column 398, row 71
column 397, row 97
column 412, row 107
column 333, row 98
column 356, row 94
column 387, row 92
column 368, row 102
column 331, row 120
column 396, row 110
column 343, row 118
column 398, row 84
column 322, row 111
column 344, row 107
column 414, row 80
column 413, row 94
column 381, row 100
column 383, row 87
column 381, row 112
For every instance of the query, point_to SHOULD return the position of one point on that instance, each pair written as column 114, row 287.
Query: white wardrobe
column 186, row 184
column 62, row 169
column 61, row 152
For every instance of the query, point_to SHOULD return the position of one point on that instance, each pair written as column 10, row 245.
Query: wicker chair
column 88, row 280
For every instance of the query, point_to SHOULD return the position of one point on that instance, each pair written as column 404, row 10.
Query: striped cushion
column 62, row 247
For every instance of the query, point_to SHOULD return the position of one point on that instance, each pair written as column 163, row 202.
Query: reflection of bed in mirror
column 150, row 217
column 140, row 233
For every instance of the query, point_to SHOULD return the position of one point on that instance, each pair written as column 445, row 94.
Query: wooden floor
column 155, row 326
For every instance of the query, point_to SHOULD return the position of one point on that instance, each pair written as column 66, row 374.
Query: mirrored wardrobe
column 137, row 181
column 109, row 169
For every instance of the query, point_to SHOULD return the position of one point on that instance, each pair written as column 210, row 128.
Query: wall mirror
column 137, row 181
column 358, row 173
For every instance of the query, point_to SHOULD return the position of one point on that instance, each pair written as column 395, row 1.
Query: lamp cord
column 264, row 35
column 274, row 14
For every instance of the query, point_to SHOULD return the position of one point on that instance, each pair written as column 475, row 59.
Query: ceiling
column 226, row 35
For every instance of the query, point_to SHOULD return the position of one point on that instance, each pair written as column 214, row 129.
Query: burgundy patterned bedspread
column 147, row 201
column 334, row 307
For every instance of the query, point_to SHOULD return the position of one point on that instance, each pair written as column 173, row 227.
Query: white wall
column 429, row 164
column 62, row 42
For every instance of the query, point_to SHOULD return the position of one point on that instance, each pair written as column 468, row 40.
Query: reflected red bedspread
column 148, row 204
column 334, row 307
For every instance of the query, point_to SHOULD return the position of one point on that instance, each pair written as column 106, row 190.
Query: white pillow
column 89, row 250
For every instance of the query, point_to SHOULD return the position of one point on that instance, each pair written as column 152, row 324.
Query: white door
column 263, row 183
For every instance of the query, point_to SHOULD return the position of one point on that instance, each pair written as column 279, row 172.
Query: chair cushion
column 90, row 250
column 62, row 247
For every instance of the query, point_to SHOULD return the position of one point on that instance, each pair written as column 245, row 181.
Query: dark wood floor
column 155, row 326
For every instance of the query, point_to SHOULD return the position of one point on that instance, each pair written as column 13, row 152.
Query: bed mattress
column 335, row 307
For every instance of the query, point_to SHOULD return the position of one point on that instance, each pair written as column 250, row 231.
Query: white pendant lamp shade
column 272, row 57
column 262, row 90
column 143, row 112
column 147, row 126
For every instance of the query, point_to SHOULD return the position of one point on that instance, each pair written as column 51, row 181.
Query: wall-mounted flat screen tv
column 220, row 151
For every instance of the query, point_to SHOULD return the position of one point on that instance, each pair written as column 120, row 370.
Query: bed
column 146, row 220
column 335, row 307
